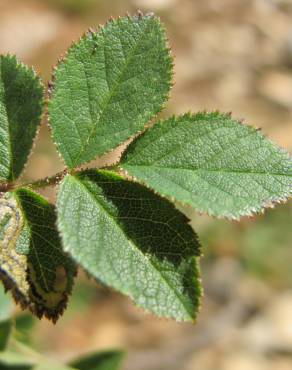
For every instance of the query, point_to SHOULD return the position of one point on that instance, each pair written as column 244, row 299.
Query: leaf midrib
column 223, row 170
column 130, row 242
column 171, row 131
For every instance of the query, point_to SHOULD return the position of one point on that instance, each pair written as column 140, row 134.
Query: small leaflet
column 33, row 279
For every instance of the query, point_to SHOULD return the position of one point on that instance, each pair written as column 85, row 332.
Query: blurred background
column 232, row 55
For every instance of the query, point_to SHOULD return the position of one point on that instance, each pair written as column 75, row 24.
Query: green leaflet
column 211, row 162
column 21, row 103
column 111, row 83
column 108, row 360
column 132, row 240
column 32, row 263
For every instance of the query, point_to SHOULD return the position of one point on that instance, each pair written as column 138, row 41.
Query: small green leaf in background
column 6, row 304
column 109, row 360
column 5, row 331
column 46, row 365
column 132, row 240
column 18, row 357
column 24, row 324
column 32, row 262
column 211, row 162
column 110, row 85
column 21, row 103
column 21, row 357
column 20, row 365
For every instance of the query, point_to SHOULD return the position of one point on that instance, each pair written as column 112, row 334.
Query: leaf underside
column 131, row 239
column 211, row 162
column 21, row 104
column 32, row 263
column 111, row 83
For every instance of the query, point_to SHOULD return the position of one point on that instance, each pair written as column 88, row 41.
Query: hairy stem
column 4, row 187
column 47, row 181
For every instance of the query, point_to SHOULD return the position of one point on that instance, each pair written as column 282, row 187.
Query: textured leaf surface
column 110, row 360
column 21, row 102
column 32, row 263
column 211, row 162
column 132, row 240
column 110, row 84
